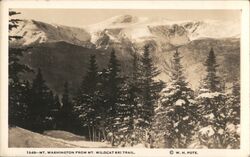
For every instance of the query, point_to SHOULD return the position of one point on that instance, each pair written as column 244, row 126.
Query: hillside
column 61, row 61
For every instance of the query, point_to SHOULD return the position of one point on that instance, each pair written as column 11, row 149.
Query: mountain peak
column 125, row 19
column 34, row 32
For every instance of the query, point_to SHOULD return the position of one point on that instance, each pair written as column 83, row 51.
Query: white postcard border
column 242, row 5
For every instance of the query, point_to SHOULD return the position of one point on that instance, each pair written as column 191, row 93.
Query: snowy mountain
column 126, row 27
column 35, row 32
column 138, row 29
column 55, row 46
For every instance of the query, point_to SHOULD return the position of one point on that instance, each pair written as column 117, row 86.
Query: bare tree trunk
column 89, row 133
column 112, row 139
column 104, row 135
column 99, row 135
column 93, row 133
column 146, row 137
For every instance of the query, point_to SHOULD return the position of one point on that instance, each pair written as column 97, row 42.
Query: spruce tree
column 212, row 107
column 17, row 86
column 86, row 102
column 211, row 80
column 65, row 117
column 102, row 104
column 150, row 89
column 26, row 99
column 55, row 111
column 113, row 93
column 130, row 107
column 19, row 112
column 175, row 116
column 232, row 130
column 234, row 101
column 41, row 104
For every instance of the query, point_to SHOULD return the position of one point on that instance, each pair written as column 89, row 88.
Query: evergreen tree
column 54, row 112
column 102, row 104
column 86, row 102
column 212, row 108
column 175, row 117
column 13, row 23
column 19, row 111
column 90, row 81
column 26, row 99
column 211, row 80
column 232, row 130
column 65, row 118
column 131, row 105
column 17, row 87
column 41, row 104
column 150, row 89
column 234, row 103
column 113, row 94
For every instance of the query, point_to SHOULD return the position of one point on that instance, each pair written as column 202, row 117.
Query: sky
column 83, row 17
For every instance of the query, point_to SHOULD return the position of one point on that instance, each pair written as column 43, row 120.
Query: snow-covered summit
column 40, row 32
column 133, row 28
column 139, row 29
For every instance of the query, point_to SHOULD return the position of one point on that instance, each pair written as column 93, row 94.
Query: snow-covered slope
column 39, row 32
column 175, row 32
column 126, row 27
column 22, row 138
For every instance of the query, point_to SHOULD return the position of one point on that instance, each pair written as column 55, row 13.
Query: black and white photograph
column 125, row 78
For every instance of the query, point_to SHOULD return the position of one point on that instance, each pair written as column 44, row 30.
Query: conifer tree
column 113, row 94
column 55, row 111
column 211, row 80
column 41, row 104
column 65, row 117
column 86, row 102
column 102, row 104
column 150, row 89
column 131, row 108
column 212, row 108
column 20, row 110
column 17, row 87
column 234, row 101
column 26, row 99
column 232, row 130
column 175, row 117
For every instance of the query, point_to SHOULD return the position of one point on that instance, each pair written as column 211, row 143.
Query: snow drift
column 22, row 138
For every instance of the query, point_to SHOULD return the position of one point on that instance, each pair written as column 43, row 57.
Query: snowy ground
column 19, row 137
column 64, row 135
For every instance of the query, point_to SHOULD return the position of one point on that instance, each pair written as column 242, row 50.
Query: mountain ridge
column 62, row 45
column 136, row 29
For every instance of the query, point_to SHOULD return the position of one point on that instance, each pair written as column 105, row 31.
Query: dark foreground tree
column 149, row 91
column 17, row 87
column 113, row 93
column 55, row 112
column 127, row 117
column 42, row 101
column 65, row 114
column 86, row 104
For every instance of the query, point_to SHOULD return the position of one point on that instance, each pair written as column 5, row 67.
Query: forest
column 127, row 110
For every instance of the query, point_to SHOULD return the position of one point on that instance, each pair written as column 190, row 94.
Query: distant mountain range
column 63, row 52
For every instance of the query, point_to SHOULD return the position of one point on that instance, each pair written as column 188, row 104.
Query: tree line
column 133, row 109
